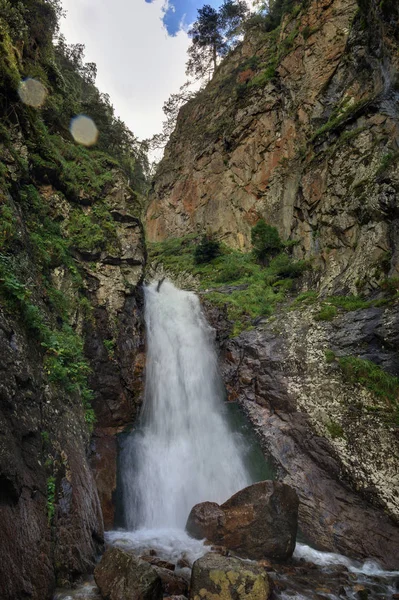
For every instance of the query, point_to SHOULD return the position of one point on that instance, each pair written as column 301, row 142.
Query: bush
column 283, row 266
column 327, row 313
column 265, row 240
column 207, row 250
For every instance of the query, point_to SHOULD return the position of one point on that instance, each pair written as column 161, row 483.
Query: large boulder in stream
column 122, row 576
column 217, row 577
column 258, row 522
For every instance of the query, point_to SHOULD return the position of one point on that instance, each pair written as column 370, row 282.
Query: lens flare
column 32, row 92
column 84, row 130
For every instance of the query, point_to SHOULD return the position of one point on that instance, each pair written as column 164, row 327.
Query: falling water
column 184, row 451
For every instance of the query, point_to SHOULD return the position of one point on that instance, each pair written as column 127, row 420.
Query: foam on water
column 169, row 544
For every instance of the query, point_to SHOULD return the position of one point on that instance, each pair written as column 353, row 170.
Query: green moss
column 64, row 360
column 8, row 227
column 340, row 114
column 50, row 499
column 349, row 302
column 326, row 313
column 305, row 298
column 335, row 430
column 109, row 345
column 330, row 356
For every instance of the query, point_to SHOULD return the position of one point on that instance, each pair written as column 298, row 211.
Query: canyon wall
column 298, row 126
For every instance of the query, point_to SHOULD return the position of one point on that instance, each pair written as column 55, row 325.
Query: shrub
column 265, row 240
column 207, row 250
column 283, row 266
column 327, row 313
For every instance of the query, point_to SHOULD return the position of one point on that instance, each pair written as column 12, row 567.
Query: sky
column 139, row 47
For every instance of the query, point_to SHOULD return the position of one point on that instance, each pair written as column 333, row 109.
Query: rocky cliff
column 72, row 258
column 298, row 126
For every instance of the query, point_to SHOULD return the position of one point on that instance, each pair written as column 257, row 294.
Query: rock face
column 217, row 577
column 122, row 576
column 32, row 537
column 339, row 454
column 258, row 522
column 312, row 150
column 70, row 322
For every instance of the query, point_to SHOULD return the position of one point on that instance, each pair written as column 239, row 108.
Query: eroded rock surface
column 312, row 150
column 347, row 481
column 258, row 522
column 122, row 576
column 219, row 577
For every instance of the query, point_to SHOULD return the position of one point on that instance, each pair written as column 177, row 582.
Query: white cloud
column 139, row 65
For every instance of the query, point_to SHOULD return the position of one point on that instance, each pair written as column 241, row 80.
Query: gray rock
column 120, row 575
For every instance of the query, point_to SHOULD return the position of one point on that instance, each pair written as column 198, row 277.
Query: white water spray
column 184, row 452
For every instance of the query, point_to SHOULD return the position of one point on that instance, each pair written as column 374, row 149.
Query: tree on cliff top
column 213, row 34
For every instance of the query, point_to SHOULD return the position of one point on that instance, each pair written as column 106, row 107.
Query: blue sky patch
column 181, row 13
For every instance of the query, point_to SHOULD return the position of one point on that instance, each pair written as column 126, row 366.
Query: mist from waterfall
column 183, row 451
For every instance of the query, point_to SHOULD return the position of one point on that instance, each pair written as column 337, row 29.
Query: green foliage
column 110, row 347
column 27, row 29
column 253, row 290
column 50, row 499
column 371, row 376
column 391, row 286
column 349, row 302
column 330, row 356
column 305, row 298
column 335, row 430
column 213, row 34
column 326, row 313
column 283, row 266
column 64, row 360
column 384, row 386
column 272, row 12
column 207, row 250
column 8, row 231
column 265, row 240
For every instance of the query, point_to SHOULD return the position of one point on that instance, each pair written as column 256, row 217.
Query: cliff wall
column 298, row 126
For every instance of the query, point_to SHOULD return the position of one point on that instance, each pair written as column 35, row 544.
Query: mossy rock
column 217, row 577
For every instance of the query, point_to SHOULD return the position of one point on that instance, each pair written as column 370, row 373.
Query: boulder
column 258, row 522
column 172, row 584
column 217, row 577
column 122, row 576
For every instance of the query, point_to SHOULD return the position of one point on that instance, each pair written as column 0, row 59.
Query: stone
column 216, row 577
column 155, row 561
column 121, row 575
column 172, row 584
column 292, row 387
column 258, row 522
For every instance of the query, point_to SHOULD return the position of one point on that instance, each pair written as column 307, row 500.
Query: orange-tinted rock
column 258, row 522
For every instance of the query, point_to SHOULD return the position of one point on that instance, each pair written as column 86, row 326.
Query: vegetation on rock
column 233, row 279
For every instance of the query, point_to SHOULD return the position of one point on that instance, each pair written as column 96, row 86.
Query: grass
column 64, row 362
column 383, row 385
column 335, row 430
column 326, row 313
column 261, row 287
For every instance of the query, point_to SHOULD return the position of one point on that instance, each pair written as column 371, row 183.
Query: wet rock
column 257, row 522
column 122, row 576
column 172, row 584
column 217, row 577
column 159, row 562
column 279, row 375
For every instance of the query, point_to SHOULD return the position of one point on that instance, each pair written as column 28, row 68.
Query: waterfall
column 183, row 452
